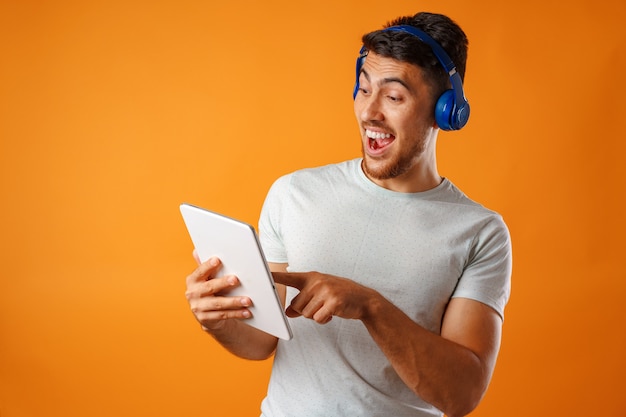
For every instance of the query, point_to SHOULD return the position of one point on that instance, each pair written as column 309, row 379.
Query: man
column 403, row 315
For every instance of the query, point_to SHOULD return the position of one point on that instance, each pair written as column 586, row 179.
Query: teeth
column 377, row 135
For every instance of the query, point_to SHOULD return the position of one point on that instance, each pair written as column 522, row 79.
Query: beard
column 393, row 166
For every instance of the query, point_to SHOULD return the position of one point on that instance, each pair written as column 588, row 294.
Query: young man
column 403, row 314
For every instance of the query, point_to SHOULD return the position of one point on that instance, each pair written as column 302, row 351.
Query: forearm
column 451, row 370
column 244, row 341
column 444, row 373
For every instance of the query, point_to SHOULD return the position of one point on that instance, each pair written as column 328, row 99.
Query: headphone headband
column 452, row 109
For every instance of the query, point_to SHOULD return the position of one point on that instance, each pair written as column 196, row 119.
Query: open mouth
column 379, row 140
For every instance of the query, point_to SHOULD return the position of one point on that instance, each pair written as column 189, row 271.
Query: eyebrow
column 388, row 80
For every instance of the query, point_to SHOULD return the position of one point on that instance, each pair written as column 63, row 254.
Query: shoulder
column 326, row 172
column 321, row 176
column 466, row 209
column 486, row 231
column 487, row 272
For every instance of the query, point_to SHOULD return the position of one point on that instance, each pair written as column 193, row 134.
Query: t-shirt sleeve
column 270, row 234
column 487, row 276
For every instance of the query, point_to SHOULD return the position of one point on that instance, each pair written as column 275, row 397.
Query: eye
column 364, row 88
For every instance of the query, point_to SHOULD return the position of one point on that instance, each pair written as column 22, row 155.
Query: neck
column 422, row 177
column 420, row 173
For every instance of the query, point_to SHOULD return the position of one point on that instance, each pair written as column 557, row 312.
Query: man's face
column 394, row 109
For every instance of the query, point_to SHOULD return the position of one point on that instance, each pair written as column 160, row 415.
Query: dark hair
column 405, row 47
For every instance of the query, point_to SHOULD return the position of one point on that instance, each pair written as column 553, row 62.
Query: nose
column 368, row 108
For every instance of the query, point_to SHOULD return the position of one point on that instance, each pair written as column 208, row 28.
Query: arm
column 450, row 371
column 224, row 317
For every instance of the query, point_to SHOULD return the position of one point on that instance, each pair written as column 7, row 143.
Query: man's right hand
column 207, row 294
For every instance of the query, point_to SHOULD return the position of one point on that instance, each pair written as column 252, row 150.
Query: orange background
column 114, row 112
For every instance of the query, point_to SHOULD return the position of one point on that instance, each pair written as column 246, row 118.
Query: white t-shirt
column 418, row 250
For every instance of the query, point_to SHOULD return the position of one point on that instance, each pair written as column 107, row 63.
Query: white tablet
column 237, row 245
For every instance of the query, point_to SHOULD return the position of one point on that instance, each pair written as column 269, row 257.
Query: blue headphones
column 452, row 109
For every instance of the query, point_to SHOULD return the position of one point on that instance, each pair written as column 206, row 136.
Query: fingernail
column 246, row 314
column 245, row 302
column 213, row 261
column 232, row 280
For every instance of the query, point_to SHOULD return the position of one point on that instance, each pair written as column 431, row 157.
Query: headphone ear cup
column 444, row 110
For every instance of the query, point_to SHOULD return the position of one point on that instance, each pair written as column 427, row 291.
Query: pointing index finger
column 291, row 279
